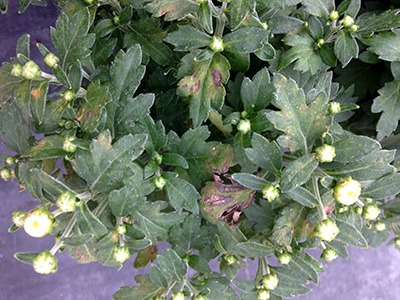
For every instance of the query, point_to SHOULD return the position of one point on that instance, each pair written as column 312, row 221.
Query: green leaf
column 257, row 92
column 254, row 249
column 15, row 137
column 156, row 136
column 319, row 8
column 188, row 38
column 205, row 17
column 266, row 53
column 204, row 86
column 78, row 239
column 105, row 166
column 155, row 224
column 302, row 52
column 89, row 223
column 126, row 73
column 245, row 40
column 383, row 188
column 147, row 33
column 25, row 257
column 238, row 11
column 8, row 82
column 240, row 143
column 370, row 23
column 71, row 38
column 38, row 100
column 182, row 195
column 174, row 159
column 283, row 24
column 339, row 248
column 303, row 124
column 127, row 199
column 303, row 268
column 303, row 196
column 146, row 291
column 4, row 6
column 23, row 44
column 47, row 148
column 90, row 113
column 61, row 76
column 376, row 238
column 346, row 47
column 23, row 96
column 171, row 9
column 264, row 154
column 289, row 290
column 388, row 102
column 354, row 148
column 261, row 215
column 244, row 285
column 350, row 235
column 172, row 265
column 298, row 172
column 250, row 181
column 199, row 264
column 230, row 237
column 349, row 7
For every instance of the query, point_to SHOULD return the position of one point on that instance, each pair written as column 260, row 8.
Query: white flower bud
column 45, row 263
column 66, row 202
column 38, row 222
column 347, row 191
column 270, row 281
column 31, row 70
column 325, row 153
column 326, row 230
column 121, row 254
column 217, row 44
column 68, row 145
column 263, row 294
column 270, row 192
column 370, row 212
column 284, row 258
column 244, row 126
column 329, row 255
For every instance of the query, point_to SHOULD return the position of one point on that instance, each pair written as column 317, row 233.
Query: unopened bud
column 230, row 259
column 380, row 226
column 45, row 263
column 284, row 258
column 121, row 254
column 265, row 25
column 199, row 297
column 334, row 108
column 69, row 96
column 354, row 28
column 160, row 182
column 38, row 222
column 347, row 21
column 333, row 15
column 397, row 242
column 270, row 192
column 244, row 126
column 116, row 20
column 347, row 191
column 18, row 217
column 121, row 229
column 326, row 230
column 217, row 44
column 66, row 202
column 51, row 60
column 157, row 158
column 5, row 174
column 68, row 146
column 358, row 210
column 31, row 70
column 10, row 160
column 320, row 43
column 178, row 296
column 329, row 255
column 270, row 281
column 325, row 153
column 263, row 294
column 370, row 212
column 16, row 70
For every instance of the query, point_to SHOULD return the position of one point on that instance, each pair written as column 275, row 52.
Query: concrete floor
column 368, row 275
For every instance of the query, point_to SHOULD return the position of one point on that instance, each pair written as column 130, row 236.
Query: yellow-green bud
column 354, row 28
column 380, row 226
column 69, row 95
column 158, row 158
column 200, row 1
column 326, row 230
column 265, row 25
column 320, row 43
column 18, row 217
column 66, row 202
column 347, row 21
column 116, row 20
column 334, row 108
column 270, row 192
column 325, row 153
column 31, row 70
column 16, row 70
column 263, row 294
column 121, row 254
column 358, row 210
column 45, row 263
column 178, row 296
column 217, row 44
column 244, row 126
column 5, row 174
column 329, row 255
column 397, row 242
column 230, row 259
column 199, row 297
column 89, row 1
column 284, row 258
column 159, row 298
column 347, row 191
column 121, row 229
column 160, row 182
column 370, row 212
column 51, row 60
column 68, row 145
column 333, row 15
column 10, row 160
column 270, row 281
column 38, row 222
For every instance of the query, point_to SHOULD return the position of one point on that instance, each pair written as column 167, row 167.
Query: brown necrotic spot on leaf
column 89, row 114
column 217, row 77
column 35, row 93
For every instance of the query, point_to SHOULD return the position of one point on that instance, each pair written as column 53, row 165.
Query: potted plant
column 231, row 130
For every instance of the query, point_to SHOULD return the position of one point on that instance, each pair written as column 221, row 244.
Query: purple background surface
column 367, row 275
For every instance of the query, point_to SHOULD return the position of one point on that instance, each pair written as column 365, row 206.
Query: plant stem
column 121, row 239
column 64, row 235
column 321, row 208
column 219, row 30
column 263, row 268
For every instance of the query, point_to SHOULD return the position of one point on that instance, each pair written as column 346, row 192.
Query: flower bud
column 347, row 191
column 230, row 259
column 333, row 15
column 121, row 229
column 320, row 43
column 217, row 44
column 31, row 70
column 265, row 25
column 51, row 60
column 121, row 254
column 347, row 21
column 244, row 126
column 329, row 255
column 45, row 263
column 270, row 192
column 326, row 230
column 18, row 217
column 397, row 242
column 370, row 212
column 263, row 294
column 5, row 174
column 38, row 222
column 157, row 158
column 116, row 20
column 343, row 210
column 199, row 297
column 354, row 28
column 284, row 258
column 334, row 108
column 10, row 160
column 69, row 96
column 178, row 296
column 200, row 1
column 160, row 182
column 66, row 202
column 380, row 226
column 358, row 210
column 159, row 298
column 16, row 70
column 270, row 281
column 68, row 145
column 325, row 153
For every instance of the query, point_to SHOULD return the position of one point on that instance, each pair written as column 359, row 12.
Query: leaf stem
column 321, row 208
column 219, row 30
column 263, row 268
column 396, row 229
column 64, row 235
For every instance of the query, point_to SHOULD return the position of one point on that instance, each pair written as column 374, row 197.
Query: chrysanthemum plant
column 233, row 130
